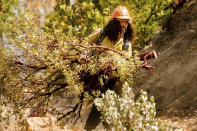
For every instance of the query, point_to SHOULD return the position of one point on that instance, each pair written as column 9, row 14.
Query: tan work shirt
column 106, row 42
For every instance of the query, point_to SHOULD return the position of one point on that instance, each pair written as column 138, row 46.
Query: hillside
column 174, row 82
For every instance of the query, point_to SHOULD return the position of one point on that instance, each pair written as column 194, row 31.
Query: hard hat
column 121, row 12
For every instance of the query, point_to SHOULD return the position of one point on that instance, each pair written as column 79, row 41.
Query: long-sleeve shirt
column 118, row 45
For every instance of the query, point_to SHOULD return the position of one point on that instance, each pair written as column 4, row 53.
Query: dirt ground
column 174, row 82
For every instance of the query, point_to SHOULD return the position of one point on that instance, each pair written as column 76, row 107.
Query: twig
column 68, row 113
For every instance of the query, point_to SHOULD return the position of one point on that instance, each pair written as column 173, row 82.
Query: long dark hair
column 113, row 29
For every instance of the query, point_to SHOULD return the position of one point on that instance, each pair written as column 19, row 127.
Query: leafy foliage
column 6, row 11
column 125, row 113
column 148, row 17
column 53, row 69
column 88, row 15
column 10, row 87
column 78, row 19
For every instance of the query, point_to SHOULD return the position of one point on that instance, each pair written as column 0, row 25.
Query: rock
column 42, row 124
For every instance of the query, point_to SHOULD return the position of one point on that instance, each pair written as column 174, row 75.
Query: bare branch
column 30, row 66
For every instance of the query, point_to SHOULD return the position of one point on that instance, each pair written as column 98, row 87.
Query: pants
column 94, row 116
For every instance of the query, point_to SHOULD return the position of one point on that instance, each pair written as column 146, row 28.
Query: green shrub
column 125, row 113
column 53, row 69
column 83, row 17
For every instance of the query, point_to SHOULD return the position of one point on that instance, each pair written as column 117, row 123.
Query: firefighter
column 117, row 34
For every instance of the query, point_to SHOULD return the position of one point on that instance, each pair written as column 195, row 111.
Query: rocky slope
column 174, row 83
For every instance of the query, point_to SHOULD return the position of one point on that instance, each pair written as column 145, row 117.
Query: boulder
column 42, row 124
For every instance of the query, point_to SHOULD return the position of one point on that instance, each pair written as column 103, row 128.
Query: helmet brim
column 123, row 17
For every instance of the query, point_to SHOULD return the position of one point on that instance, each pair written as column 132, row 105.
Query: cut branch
column 30, row 66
